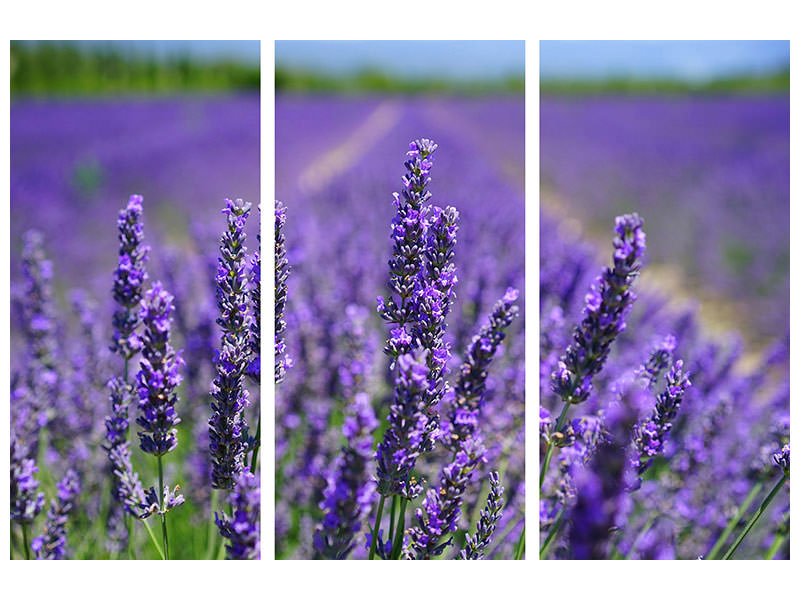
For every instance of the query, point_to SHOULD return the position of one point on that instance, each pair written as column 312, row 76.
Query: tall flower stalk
column 227, row 426
column 282, row 360
column 51, row 545
column 158, row 379
column 607, row 304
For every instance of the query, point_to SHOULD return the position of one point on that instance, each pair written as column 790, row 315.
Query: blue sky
column 442, row 59
column 690, row 60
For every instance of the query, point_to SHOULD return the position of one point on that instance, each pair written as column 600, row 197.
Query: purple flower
column 781, row 459
column 227, row 426
column 607, row 305
column 282, row 269
column 129, row 278
column 26, row 502
column 242, row 528
column 127, row 487
column 349, row 492
column 51, row 544
column 158, row 375
column 490, row 515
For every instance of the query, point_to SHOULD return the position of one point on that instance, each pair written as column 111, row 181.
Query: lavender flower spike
column 254, row 272
column 781, row 459
column 649, row 436
column 129, row 278
column 227, row 426
column 51, row 544
column 282, row 360
column 408, row 233
column 26, row 503
column 475, row 545
column 471, row 384
column 128, row 489
column 404, row 440
column 607, row 304
column 158, row 375
column 242, row 528
column 350, row 492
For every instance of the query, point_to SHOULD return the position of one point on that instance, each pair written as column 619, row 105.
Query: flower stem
column 378, row 516
column 549, row 452
column 163, row 511
column 751, row 523
column 391, row 517
column 256, row 446
column 397, row 544
column 25, row 541
column 776, row 545
column 551, row 535
column 734, row 520
column 519, row 551
column 153, row 538
column 211, row 541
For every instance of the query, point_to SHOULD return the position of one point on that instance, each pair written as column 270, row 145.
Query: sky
column 456, row 60
column 686, row 60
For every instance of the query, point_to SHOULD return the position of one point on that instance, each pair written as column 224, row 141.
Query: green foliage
column 67, row 69
column 378, row 82
column 770, row 83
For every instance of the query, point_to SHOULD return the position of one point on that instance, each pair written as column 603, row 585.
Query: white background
column 400, row 19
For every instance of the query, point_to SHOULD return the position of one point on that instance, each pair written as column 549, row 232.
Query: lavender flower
column 350, row 492
column 409, row 227
column 781, row 459
column 660, row 358
column 471, row 384
column 441, row 507
column 404, row 440
column 242, row 528
column 129, row 278
column 608, row 302
column 490, row 515
column 26, row 503
column 254, row 272
column 127, row 489
column 649, row 436
column 227, row 426
column 155, row 503
column 282, row 269
column 158, row 375
column 40, row 329
column 51, row 544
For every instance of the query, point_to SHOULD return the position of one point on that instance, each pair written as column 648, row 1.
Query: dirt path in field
column 327, row 166
column 717, row 315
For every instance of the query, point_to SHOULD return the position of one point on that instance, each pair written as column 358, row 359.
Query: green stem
column 25, row 541
column 153, row 538
column 397, row 544
column 129, row 529
column 776, row 545
column 549, row 452
column 519, row 552
column 256, row 446
column 211, row 541
column 163, row 512
column 551, row 535
column 378, row 516
column 642, row 533
column 391, row 517
column 734, row 520
column 751, row 523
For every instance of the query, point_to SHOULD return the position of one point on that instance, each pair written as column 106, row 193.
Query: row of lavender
column 655, row 442
column 73, row 396
column 411, row 446
column 711, row 173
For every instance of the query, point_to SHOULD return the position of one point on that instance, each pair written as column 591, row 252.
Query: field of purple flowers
column 659, row 439
column 400, row 402
column 135, row 337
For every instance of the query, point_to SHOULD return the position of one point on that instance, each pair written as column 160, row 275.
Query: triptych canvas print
column 404, row 383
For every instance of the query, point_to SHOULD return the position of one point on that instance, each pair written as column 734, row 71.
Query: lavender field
column 134, row 337
column 664, row 370
column 407, row 420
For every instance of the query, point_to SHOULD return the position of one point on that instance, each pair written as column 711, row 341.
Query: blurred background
column 345, row 113
column 694, row 136
column 94, row 122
